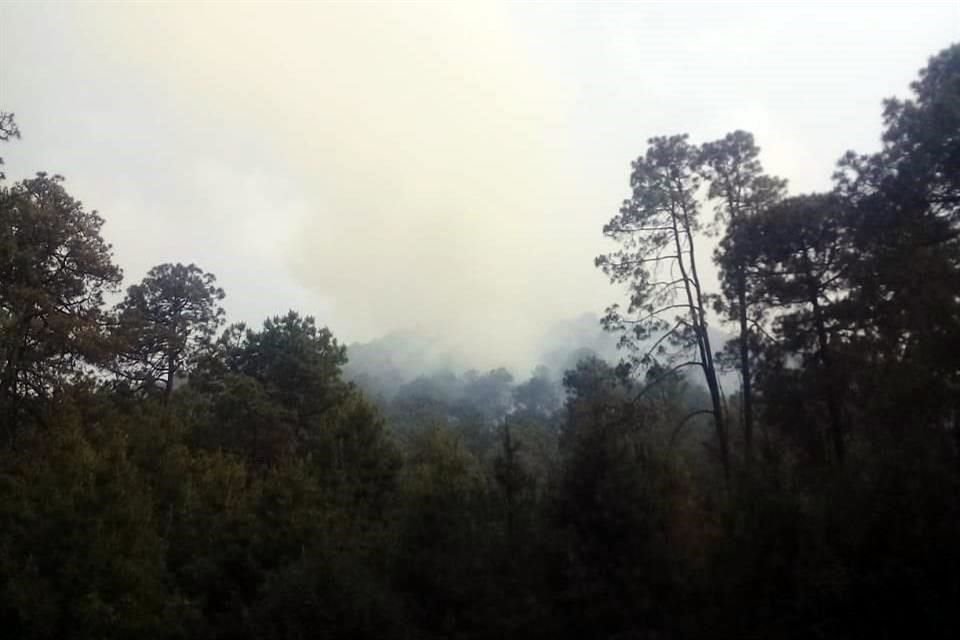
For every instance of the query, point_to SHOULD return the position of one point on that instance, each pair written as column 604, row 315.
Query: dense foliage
column 164, row 477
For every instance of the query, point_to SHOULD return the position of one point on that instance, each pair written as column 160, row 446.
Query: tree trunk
column 833, row 405
column 171, row 372
column 746, row 391
column 691, row 283
column 9, row 393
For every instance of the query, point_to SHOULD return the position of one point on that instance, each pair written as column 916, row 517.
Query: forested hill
column 165, row 473
column 405, row 369
column 401, row 356
column 384, row 365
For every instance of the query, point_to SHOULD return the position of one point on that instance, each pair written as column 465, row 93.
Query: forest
column 167, row 474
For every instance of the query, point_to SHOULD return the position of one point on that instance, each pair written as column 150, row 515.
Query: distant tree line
column 166, row 475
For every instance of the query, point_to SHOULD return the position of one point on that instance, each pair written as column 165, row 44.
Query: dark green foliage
column 796, row 254
column 81, row 554
column 281, row 393
column 609, row 509
column 904, row 221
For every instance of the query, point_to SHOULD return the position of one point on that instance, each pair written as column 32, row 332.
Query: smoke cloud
column 443, row 168
column 425, row 147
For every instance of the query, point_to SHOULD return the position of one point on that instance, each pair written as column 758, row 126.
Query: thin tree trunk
column 171, row 371
column 698, row 315
column 11, row 377
column 711, row 372
column 826, row 361
column 747, row 386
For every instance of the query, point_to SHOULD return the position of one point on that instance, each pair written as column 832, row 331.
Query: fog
column 433, row 168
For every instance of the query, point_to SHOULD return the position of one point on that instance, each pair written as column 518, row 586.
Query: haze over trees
column 163, row 475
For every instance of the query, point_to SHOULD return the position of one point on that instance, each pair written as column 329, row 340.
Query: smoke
column 442, row 168
column 426, row 147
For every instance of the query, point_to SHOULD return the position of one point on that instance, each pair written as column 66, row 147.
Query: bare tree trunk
column 698, row 315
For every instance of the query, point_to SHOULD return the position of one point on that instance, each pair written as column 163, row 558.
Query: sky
column 438, row 167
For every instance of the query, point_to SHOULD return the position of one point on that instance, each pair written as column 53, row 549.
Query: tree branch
column 664, row 376
column 629, row 261
column 686, row 418
column 653, row 314
column 661, row 339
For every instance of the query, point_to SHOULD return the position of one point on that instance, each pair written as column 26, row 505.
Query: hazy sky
column 441, row 167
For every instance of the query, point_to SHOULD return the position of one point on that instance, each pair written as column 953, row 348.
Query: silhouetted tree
column 742, row 190
column 163, row 322
column 656, row 227
column 796, row 251
column 905, row 224
column 8, row 130
column 54, row 270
